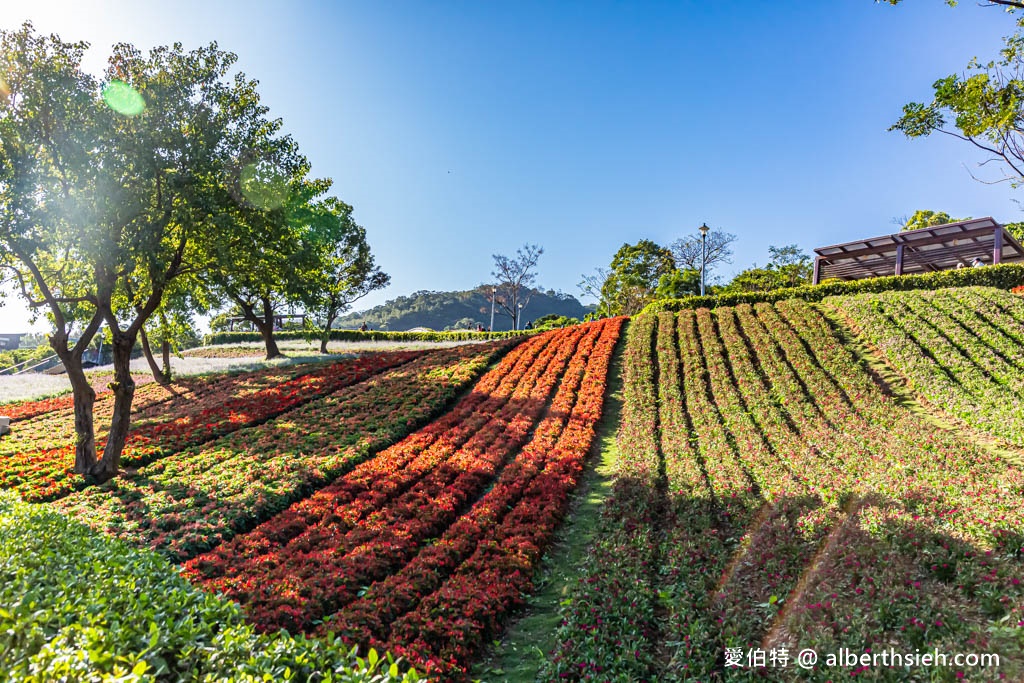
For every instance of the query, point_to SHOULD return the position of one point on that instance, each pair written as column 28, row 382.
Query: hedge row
column 1003, row 276
column 80, row 606
column 370, row 335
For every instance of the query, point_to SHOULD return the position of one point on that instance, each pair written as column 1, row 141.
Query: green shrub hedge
column 1003, row 276
column 356, row 335
column 76, row 605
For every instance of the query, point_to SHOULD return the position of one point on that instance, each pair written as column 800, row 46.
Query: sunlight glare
column 263, row 187
column 123, row 98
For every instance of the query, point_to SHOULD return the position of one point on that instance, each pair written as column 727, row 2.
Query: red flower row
column 44, row 474
column 503, row 535
column 152, row 404
column 312, row 560
column 418, row 497
column 193, row 500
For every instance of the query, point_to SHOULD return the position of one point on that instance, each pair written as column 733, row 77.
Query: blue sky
column 462, row 129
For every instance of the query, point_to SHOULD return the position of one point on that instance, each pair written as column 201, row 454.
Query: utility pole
column 494, row 292
column 703, row 254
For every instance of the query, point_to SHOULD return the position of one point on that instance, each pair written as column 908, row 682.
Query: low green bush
column 76, row 605
column 369, row 335
column 1004, row 276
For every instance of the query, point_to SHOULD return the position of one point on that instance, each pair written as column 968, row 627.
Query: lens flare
column 123, row 98
column 263, row 186
column 4, row 90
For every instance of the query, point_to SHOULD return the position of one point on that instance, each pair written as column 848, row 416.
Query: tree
column 635, row 272
column 463, row 324
column 1015, row 229
column 110, row 190
column 984, row 107
column 791, row 265
column 753, row 279
column 275, row 246
column 590, row 286
column 923, row 218
column 345, row 271
column 515, row 278
column 678, row 283
column 690, row 253
column 788, row 266
column 173, row 330
column 1012, row 4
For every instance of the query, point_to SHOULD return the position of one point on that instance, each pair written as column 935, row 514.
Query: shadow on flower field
column 769, row 494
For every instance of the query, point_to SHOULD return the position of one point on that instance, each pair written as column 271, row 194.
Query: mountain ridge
column 458, row 310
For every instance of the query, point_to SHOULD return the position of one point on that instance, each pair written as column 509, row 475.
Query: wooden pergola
column 941, row 247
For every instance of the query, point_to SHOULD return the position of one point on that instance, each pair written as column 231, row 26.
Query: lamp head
column 704, row 229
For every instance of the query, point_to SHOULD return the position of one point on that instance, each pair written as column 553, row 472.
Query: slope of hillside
column 444, row 310
column 961, row 349
column 770, row 495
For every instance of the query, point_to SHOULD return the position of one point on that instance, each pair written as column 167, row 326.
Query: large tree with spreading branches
column 111, row 189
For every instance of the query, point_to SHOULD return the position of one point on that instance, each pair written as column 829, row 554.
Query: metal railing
column 16, row 369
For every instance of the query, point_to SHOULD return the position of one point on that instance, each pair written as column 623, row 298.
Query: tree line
column 643, row 272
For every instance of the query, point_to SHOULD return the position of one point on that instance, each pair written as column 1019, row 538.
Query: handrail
column 31, row 367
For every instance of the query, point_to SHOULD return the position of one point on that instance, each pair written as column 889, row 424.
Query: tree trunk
column 84, row 396
column 271, row 343
column 165, row 348
column 163, row 377
column 123, row 387
column 326, row 337
column 266, row 328
column 84, row 399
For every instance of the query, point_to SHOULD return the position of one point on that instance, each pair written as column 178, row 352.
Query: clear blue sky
column 462, row 129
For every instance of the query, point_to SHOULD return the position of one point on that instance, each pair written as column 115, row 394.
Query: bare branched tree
column 514, row 280
column 590, row 285
column 687, row 250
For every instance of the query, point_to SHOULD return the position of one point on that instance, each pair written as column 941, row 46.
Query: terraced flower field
column 424, row 549
column 962, row 349
column 770, row 495
column 191, row 500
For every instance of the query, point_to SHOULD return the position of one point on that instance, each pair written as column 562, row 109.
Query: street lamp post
column 519, row 315
column 494, row 292
column 703, row 254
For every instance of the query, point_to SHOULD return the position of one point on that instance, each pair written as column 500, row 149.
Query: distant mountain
column 458, row 310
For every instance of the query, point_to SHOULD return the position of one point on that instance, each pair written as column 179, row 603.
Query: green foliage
column 1003, row 276
column 463, row 324
column 371, row 335
column 636, row 271
column 1016, row 230
column 754, row 279
column 116, row 191
column 984, row 106
column 343, row 271
column 789, row 266
column 78, row 606
column 923, row 218
column 552, row 321
column 678, row 283
column 960, row 348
